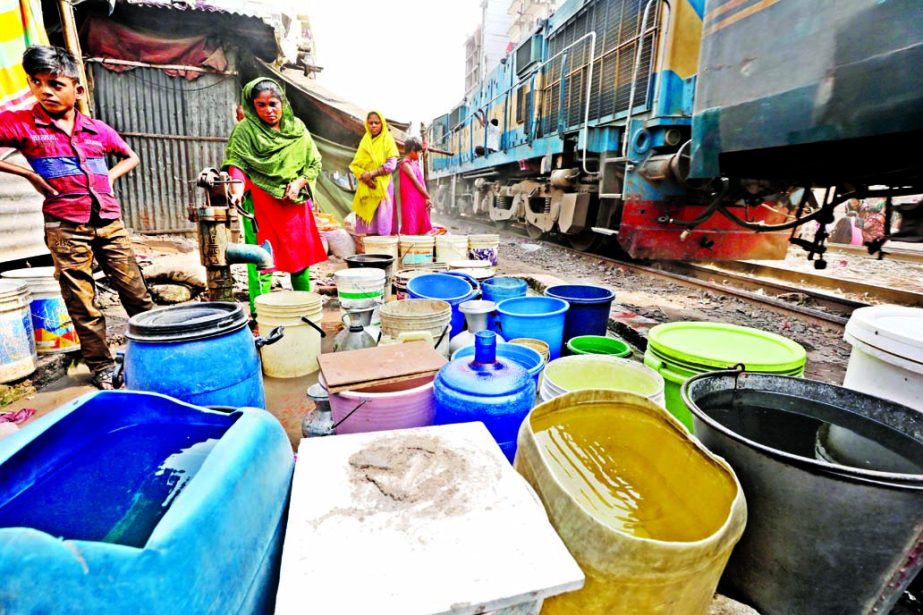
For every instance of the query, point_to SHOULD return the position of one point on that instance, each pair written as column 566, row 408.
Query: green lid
column 718, row 345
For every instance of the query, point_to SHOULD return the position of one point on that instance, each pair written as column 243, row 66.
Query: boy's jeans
column 73, row 247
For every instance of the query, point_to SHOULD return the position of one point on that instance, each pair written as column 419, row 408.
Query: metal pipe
column 240, row 253
column 182, row 67
column 589, row 94
column 634, row 76
column 72, row 43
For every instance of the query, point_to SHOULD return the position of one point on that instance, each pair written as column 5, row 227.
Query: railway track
column 816, row 299
column 894, row 253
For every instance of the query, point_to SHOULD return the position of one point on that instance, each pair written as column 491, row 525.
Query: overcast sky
column 406, row 57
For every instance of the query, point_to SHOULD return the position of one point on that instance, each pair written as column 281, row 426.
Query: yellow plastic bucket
column 647, row 511
column 296, row 353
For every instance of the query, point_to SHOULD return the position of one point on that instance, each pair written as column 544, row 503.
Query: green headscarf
column 272, row 159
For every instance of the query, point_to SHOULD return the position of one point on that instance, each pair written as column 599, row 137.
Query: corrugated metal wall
column 177, row 127
column 22, row 230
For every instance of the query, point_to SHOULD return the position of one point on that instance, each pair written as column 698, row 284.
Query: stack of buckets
column 418, row 319
column 680, row 350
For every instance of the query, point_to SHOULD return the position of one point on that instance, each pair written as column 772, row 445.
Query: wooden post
column 72, row 43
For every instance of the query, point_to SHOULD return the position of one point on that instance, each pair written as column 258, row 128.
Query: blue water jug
column 497, row 392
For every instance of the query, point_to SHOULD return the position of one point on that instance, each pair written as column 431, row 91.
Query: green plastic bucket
column 598, row 344
column 681, row 350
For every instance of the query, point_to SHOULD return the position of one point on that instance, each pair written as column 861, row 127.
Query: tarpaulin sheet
column 105, row 38
column 20, row 26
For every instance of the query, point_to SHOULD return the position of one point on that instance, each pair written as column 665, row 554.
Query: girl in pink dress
column 415, row 200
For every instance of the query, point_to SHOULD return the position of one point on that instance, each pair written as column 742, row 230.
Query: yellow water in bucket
column 617, row 479
column 647, row 511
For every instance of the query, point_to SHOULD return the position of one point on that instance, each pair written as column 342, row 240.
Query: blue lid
column 486, row 375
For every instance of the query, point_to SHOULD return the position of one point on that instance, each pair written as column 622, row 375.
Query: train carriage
column 686, row 129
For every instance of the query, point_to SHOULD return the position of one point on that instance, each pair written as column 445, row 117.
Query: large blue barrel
column 201, row 353
column 128, row 502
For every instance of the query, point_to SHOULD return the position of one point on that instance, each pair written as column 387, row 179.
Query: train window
column 522, row 101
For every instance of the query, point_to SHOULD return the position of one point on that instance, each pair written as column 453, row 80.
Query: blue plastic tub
column 536, row 317
column 129, row 502
column 498, row 289
column 589, row 308
column 199, row 353
column 452, row 289
column 528, row 358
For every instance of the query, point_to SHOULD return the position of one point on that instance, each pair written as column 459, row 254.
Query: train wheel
column 501, row 225
column 585, row 241
column 534, row 232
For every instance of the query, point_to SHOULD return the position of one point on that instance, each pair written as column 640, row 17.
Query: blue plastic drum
column 201, row 353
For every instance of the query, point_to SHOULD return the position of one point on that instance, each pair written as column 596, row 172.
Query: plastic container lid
column 893, row 329
column 722, row 346
column 186, row 323
column 29, row 273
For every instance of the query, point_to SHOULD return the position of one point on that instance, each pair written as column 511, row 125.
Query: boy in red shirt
column 67, row 152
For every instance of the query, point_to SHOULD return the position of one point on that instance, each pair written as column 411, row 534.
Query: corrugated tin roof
column 285, row 24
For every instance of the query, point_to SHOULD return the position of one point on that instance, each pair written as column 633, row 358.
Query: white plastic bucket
column 484, row 248
column 887, row 353
column 296, row 353
column 17, row 344
column 416, row 249
column 585, row 372
column 54, row 329
column 409, row 320
column 380, row 244
column 451, row 248
column 361, row 288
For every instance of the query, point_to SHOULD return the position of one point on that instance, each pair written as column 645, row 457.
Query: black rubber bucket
column 822, row 536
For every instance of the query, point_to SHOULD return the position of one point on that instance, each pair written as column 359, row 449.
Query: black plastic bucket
column 821, row 537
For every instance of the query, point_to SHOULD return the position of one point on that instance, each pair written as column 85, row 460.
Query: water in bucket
column 647, row 511
column 603, row 468
column 834, row 521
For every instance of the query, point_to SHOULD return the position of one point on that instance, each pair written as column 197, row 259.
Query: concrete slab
column 429, row 520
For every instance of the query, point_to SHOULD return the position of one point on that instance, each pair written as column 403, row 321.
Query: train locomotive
column 691, row 129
